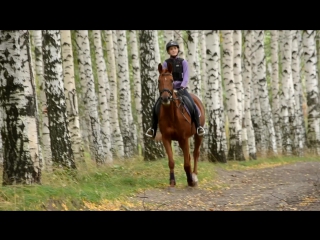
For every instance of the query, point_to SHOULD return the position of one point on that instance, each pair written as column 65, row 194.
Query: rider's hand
column 180, row 91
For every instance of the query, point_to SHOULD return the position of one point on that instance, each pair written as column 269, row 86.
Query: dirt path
column 293, row 187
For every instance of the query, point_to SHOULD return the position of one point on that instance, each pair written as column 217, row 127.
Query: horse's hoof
column 171, row 189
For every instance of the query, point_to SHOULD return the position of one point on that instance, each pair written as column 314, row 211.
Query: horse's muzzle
column 166, row 100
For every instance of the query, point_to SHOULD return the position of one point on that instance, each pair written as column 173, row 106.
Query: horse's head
column 165, row 84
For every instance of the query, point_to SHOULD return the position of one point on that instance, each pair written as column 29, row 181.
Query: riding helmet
column 172, row 43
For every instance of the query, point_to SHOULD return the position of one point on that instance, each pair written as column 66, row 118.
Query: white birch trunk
column 203, row 60
column 260, row 135
column 19, row 109
column 127, row 125
column 157, row 49
column 235, row 150
column 71, row 95
column 237, row 72
column 298, row 123
column 303, row 88
column 193, row 62
column 213, row 101
column 178, row 37
column 167, row 36
column 287, row 96
column 29, row 84
column 115, row 48
column 247, row 85
column 134, row 56
column 89, row 96
column 62, row 154
column 117, row 141
column 268, row 140
column 45, row 134
column 313, row 135
column 149, row 74
column 276, row 110
column 104, row 91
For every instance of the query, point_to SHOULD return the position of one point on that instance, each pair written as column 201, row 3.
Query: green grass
column 109, row 186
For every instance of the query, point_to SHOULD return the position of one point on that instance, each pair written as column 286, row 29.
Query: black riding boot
column 151, row 132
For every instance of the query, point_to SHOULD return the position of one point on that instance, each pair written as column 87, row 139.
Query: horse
column 175, row 125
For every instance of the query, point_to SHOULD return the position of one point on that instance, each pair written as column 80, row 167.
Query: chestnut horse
column 175, row 125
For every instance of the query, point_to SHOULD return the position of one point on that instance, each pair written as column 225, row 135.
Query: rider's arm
column 185, row 80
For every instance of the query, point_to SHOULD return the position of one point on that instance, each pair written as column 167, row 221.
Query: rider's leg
column 194, row 114
column 151, row 132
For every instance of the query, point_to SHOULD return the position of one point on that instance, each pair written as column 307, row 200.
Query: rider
column 181, row 78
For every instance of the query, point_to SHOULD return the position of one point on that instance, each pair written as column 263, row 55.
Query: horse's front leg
column 167, row 146
column 184, row 144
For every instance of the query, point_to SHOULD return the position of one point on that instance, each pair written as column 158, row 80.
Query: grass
column 109, row 187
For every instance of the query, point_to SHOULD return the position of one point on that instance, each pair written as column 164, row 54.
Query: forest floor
column 291, row 187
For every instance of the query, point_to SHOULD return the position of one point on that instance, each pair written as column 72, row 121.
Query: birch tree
column 62, row 154
column 134, row 55
column 167, row 36
column 149, row 75
column 203, row 62
column 235, row 149
column 237, row 73
column 268, row 139
column 89, row 96
column 178, row 36
column 310, row 61
column 298, row 144
column 71, row 95
column 117, row 141
column 260, row 134
column 45, row 134
column 276, row 110
column 213, row 101
column 18, row 108
column 247, row 86
column 287, row 94
column 194, row 63
column 127, row 125
column 104, row 91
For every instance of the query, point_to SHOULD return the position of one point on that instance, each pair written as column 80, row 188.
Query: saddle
column 187, row 104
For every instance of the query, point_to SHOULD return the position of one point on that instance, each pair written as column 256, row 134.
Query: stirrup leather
column 148, row 135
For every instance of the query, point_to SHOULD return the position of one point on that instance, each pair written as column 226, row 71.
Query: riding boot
column 200, row 130
column 151, row 132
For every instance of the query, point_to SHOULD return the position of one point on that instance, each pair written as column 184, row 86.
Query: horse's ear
column 170, row 67
column 160, row 68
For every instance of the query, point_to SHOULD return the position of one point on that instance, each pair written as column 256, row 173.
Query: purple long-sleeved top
column 185, row 75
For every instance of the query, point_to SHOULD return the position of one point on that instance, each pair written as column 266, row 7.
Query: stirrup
column 202, row 131
column 148, row 135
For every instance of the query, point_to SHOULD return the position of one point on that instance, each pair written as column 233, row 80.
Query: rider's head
column 172, row 48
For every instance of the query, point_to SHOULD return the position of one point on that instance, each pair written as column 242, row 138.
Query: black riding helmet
column 172, row 43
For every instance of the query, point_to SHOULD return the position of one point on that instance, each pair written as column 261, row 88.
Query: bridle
column 165, row 89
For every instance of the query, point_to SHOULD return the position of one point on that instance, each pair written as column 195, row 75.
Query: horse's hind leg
column 167, row 146
column 196, row 154
column 184, row 144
